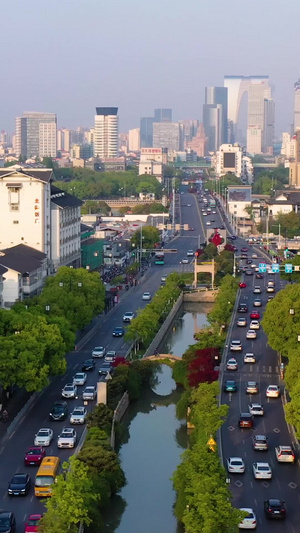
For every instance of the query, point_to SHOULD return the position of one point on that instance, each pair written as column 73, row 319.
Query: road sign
column 262, row 267
column 288, row 268
column 211, row 443
column 275, row 267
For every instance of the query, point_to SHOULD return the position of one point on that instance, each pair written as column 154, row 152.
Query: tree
column 210, row 252
column 105, row 464
column 201, row 368
column 101, row 417
column 290, row 224
column 295, row 275
column 148, row 238
column 72, row 501
column 145, row 188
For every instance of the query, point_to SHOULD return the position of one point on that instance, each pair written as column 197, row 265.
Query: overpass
column 123, row 202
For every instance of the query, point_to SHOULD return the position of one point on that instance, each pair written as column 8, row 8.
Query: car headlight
column 10, row 491
column 23, row 490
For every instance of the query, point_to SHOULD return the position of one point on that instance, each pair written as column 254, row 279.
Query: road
column 12, row 449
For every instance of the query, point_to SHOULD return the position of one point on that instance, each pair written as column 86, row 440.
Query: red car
column 34, row 455
column 244, row 249
column 255, row 314
column 242, row 285
column 32, row 526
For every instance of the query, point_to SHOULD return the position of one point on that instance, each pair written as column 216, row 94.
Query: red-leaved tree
column 120, row 361
column 201, row 369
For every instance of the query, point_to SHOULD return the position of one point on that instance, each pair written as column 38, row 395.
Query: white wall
column 10, row 288
column 238, row 209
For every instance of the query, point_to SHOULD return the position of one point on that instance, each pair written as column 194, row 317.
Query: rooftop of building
column 64, row 199
column 22, row 259
column 42, row 174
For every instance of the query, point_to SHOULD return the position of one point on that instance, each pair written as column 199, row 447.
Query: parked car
column 89, row 393
column 260, row 443
column 19, row 485
column 274, row 508
column 59, row 411
column 43, row 437
column 88, row 365
column 284, row 454
column 78, row 415
column 98, row 351
column 34, row 456
column 67, row 438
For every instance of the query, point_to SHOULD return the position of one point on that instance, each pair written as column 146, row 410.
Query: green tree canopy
column 150, row 236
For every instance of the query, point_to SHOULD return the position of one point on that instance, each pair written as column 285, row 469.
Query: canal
column 153, row 442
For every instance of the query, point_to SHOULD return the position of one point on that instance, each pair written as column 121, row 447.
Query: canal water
column 153, row 442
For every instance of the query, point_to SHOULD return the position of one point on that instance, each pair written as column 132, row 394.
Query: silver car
column 69, row 391
column 43, row 437
column 98, row 351
column 78, row 415
column 89, row 393
column 262, row 471
column 80, row 378
column 67, row 438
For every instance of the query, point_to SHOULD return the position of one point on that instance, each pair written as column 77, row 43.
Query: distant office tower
column 288, row 147
column 189, row 130
column 294, row 167
column 106, row 132
column 269, row 126
column 297, row 105
column 134, row 140
column 215, row 117
column 64, row 140
column 167, row 135
column 162, row 115
column 146, row 132
column 33, row 137
column 254, row 140
column 237, row 86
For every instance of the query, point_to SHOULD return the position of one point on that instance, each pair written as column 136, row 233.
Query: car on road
column 89, row 393
column 241, row 321
column 257, row 302
column 127, row 317
column 43, row 437
column 98, row 351
column 230, row 386
column 242, row 308
column 189, row 205
column 231, row 364
column 80, row 378
column 32, row 524
column 222, row 227
column 249, row 272
column 249, row 522
column 270, row 289
column 184, row 261
column 163, row 280
column 34, row 455
column 249, row 358
column 78, row 415
column 257, row 290
column 67, row 438
column 274, row 508
column 251, row 334
column 208, row 223
column 249, row 261
column 284, row 454
column 105, row 368
column 273, row 391
column 190, row 253
column 254, row 324
column 258, row 275
column 59, row 411
column 204, row 213
column 255, row 315
column 69, row 391
column 245, row 420
column 110, row 356
column 7, row 522
column 251, row 387
column 236, row 346
column 235, row 465
column 260, row 443
column 88, row 365
column 271, row 283
column 191, row 229
column 118, row 332
column 244, row 249
column 19, row 485
column 270, row 298
column 146, row 296
column 262, row 471
column 242, row 285
column 256, row 409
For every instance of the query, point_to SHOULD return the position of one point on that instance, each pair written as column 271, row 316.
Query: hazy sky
column 69, row 56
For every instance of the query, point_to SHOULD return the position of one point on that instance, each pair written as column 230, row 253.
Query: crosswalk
column 260, row 370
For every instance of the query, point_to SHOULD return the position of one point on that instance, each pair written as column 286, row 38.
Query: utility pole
column 267, row 230
column 173, row 204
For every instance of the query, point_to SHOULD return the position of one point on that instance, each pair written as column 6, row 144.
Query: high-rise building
column 162, row 115
column 146, row 132
column 198, row 143
column 64, row 139
column 134, row 140
column 269, row 126
column 106, row 132
column 294, row 172
column 215, row 116
column 254, row 140
column 297, row 105
column 288, row 147
column 35, row 132
column 167, row 135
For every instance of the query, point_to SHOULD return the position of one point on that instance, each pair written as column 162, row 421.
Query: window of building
column 14, row 198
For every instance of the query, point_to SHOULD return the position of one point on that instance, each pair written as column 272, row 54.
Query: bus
column 159, row 258
column 212, row 202
column 46, row 476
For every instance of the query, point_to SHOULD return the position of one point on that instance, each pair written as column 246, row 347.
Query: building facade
column 36, row 134
column 134, row 143
column 167, row 135
column 146, row 132
column 297, row 105
column 106, row 132
column 215, row 117
column 294, row 172
column 162, row 115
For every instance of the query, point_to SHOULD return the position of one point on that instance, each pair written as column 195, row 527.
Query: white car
column 69, row 391
column 208, row 223
column 254, row 324
column 89, row 393
column 251, row 387
column 231, row 364
column 256, row 409
column 257, row 290
column 78, row 415
column 284, row 454
column 241, row 321
column 235, row 465
column 273, row 391
column 204, row 214
column 43, row 437
column 190, row 253
column 236, row 346
column 249, row 358
column 189, row 205
column 185, row 261
column 254, row 256
column 127, row 317
column 249, row 522
column 270, row 289
column 262, row 471
column 110, row 356
column 98, row 351
column 80, row 378
column 251, row 334
column 67, row 438
column 146, row 296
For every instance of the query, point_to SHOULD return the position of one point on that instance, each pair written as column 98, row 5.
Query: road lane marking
column 1, row 451
column 12, row 434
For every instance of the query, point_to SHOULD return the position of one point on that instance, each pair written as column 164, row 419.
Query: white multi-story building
column 134, row 140
column 167, row 135
column 35, row 213
column 229, row 159
column 106, row 132
column 47, row 139
column 288, row 147
column 29, row 133
column 254, row 140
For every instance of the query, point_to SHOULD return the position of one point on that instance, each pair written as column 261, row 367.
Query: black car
column 275, row 508
column 118, row 332
column 249, row 261
column 88, row 364
column 258, row 276
column 59, row 411
column 105, row 367
column 7, row 522
column 19, row 485
column 243, row 308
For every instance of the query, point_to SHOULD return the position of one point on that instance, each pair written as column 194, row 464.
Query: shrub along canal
column 153, row 441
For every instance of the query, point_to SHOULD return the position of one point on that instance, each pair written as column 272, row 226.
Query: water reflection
column 163, row 383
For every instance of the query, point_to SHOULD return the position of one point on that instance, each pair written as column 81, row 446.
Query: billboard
column 239, row 194
column 229, row 160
